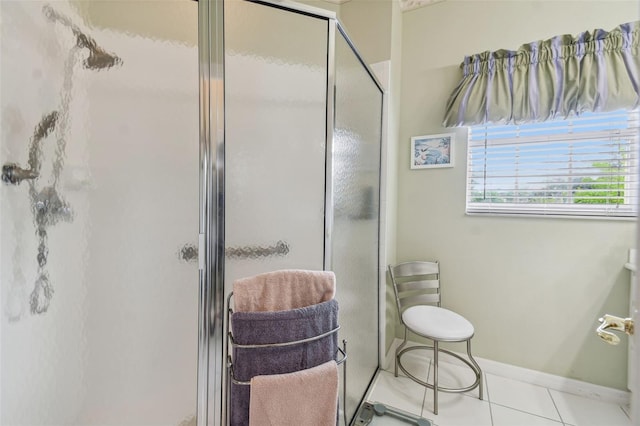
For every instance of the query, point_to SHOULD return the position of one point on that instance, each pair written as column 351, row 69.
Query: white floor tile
column 579, row 411
column 503, row 416
column 507, row 402
column 521, row 396
column 457, row 410
column 398, row 392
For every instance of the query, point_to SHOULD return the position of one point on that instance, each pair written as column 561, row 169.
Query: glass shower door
column 282, row 211
column 355, row 240
column 98, row 213
column 275, row 81
column 275, row 143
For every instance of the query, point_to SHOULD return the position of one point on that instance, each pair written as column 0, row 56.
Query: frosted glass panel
column 356, row 186
column 99, row 139
column 275, row 71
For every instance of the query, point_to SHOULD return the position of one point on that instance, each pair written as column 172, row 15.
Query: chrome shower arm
column 44, row 127
column 14, row 174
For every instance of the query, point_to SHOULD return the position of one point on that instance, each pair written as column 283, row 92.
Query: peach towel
column 304, row 398
column 283, row 290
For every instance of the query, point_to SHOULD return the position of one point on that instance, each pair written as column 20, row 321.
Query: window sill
column 552, row 216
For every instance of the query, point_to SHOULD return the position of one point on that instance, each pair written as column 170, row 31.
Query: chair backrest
column 415, row 283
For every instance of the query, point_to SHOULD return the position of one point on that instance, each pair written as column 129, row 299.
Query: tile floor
column 506, row 402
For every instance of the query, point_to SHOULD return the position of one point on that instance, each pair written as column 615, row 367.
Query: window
column 584, row 166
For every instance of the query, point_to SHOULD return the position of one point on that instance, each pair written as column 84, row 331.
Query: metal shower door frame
column 211, row 221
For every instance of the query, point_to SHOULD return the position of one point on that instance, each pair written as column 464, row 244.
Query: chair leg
column 479, row 371
column 435, row 377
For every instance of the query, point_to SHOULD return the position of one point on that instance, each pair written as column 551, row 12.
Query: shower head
column 98, row 58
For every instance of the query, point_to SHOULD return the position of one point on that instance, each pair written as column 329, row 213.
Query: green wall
column 372, row 35
column 368, row 25
column 391, row 177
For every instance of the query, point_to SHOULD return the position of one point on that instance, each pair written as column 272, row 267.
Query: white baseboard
column 559, row 383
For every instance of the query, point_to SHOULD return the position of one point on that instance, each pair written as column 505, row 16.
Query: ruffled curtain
column 596, row 71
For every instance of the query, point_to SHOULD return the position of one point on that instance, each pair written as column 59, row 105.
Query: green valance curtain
column 595, row 71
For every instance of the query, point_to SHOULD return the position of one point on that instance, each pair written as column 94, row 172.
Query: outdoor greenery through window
column 584, row 166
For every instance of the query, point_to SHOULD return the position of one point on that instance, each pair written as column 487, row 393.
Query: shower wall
column 117, row 343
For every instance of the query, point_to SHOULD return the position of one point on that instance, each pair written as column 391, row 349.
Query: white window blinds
column 585, row 166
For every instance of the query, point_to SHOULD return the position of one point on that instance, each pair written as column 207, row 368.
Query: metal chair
column 417, row 290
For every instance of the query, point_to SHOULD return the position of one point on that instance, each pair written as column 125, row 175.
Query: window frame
column 576, row 129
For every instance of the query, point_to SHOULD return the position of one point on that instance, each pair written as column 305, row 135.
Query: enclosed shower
column 150, row 157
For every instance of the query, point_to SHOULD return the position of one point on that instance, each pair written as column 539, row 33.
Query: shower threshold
column 371, row 413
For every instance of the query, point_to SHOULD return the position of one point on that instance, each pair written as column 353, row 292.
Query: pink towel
column 283, row 290
column 304, row 398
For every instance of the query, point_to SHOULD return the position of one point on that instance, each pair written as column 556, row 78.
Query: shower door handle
column 189, row 252
column 280, row 248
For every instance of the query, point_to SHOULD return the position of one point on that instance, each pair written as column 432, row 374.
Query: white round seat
column 437, row 323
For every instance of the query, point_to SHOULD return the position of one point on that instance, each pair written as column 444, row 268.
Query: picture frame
column 432, row 151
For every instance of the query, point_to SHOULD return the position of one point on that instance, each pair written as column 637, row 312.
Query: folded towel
column 279, row 327
column 304, row 398
column 282, row 290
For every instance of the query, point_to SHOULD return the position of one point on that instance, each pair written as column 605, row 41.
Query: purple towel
column 254, row 328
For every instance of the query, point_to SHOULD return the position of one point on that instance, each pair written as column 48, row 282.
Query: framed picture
column 432, row 151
